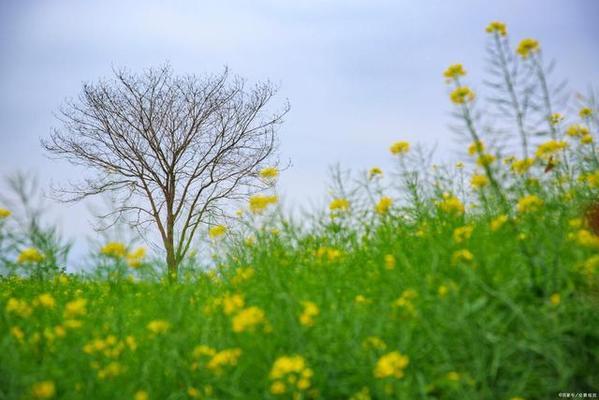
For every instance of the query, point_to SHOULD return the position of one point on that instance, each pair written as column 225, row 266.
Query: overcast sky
column 358, row 74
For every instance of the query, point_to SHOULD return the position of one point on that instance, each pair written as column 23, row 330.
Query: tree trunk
column 171, row 261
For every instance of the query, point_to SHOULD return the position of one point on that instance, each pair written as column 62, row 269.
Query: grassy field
column 470, row 281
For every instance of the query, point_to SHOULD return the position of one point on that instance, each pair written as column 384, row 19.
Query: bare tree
column 174, row 147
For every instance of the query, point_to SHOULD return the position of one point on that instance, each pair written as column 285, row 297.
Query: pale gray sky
column 359, row 74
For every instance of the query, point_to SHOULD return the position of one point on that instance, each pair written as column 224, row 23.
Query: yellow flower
column 17, row 333
column 43, row 390
column 278, row 387
column 259, row 202
column 286, row 365
column 461, row 95
column 555, row 118
column 217, row 231
column 453, row 376
column 224, row 358
column 521, row 167
column 374, row 172
column 158, row 326
column 461, row 256
column 329, row 253
column 135, row 258
column 114, row 249
column 454, row 71
column 384, row 205
column 360, row 299
column 232, row 303
column 485, row 159
column 310, row 311
column 476, row 147
column 586, row 139
column 593, row 179
column 462, row 233
column 30, row 255
column 141, row 395
column 389, row 261
column 451, row 205
column 75, row 308
column 247, row 319
column 585, row 112
column 555, row 299
column 18, row 307
column 374, row 342
column 4, row 213
column 339, row 204
column 46, row 300
column 577, row 130
column 529, row 203
column 242, row 274
column 400, row 147
column 442, row 291
column 497, row 27
column 586, row 238
column 528, row 47
column 479, row 181
column 391, row 365
column 459, row 165
column 498, row 222
column 551, row 147
column 269, row 173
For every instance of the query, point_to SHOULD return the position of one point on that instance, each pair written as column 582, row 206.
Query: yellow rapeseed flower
column 454, row 71
column 551, row 147
column 269, row 173
column 521, row 167
column 158, row 326
column 555, row 299
column 114, row 249
column 461, row 256
column 375, row 172
column 389, row 261
column 46, row 300
column 498, row 222
column 18, row 307
column 497, row 27
column 555, row 118
column 577, row 130
column 339, row 205
column 75, row 308
column 293, row 370
column 259, row 202
column 479, row 181
column 141, row 395
column 216, row 231
column 526, row 47
column 462, row 233
column 308, row 314
column 529, row 203
column 476, row 147
column 224, row 358
column 586, row 139
column 384, row 204
column 248, row 319
column 451, row 205
column 4, row 213
column 461, row 95
column 391, row 365
column 585, row 112
column 30, row 255
column 485, row 159
column 232, row 303
column 586, row 238
column 135, row 258
column 43, row 390
column 401, row 147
